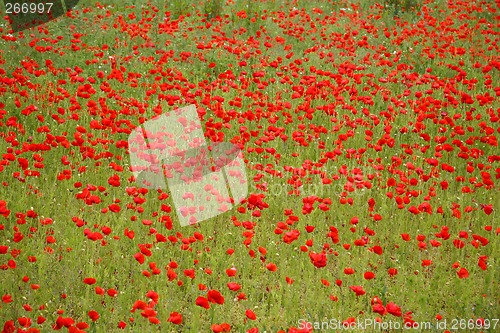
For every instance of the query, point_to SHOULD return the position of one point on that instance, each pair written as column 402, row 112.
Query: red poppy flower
column 231, row 272
column 318, row 259
column 203, row 302
column 171, row 274
column 114, row 208
column 139, row 257
column 215, row 296
column 3, row 209
column 141, row 305
column 309, row 228
column 488, row 209
column 379, row 308
column 348, row 271
column 148, row 312
column 99, row 291
column 358, row 290
column 89, row 281
column 7, row 298
column 224, row 327
column 250, row 314
column 377, row 249
column 112, row 292
column 426, row 262
column 482, row 262
column 393, row 309
column 175, row 318
column 233, row 286
column 463, row 273
column 189, row 273
column 271, row 267
column 93, row 315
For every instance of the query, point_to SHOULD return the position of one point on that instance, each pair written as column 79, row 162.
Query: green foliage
column 213, row 8
column 403, row 5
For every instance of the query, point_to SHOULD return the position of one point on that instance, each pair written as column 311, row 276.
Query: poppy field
column 369, row 133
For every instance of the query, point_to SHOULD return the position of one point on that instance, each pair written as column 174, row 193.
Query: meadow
column 369, row 132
